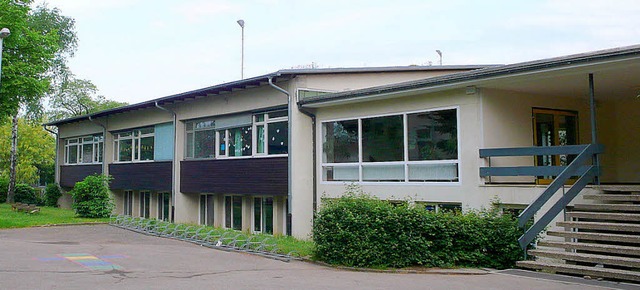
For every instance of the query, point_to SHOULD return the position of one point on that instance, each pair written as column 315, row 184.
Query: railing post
column 594, row 132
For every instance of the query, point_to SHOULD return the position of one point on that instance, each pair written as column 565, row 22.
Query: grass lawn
column 46, row 216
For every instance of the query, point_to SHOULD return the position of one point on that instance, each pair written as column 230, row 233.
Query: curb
column 429, row 271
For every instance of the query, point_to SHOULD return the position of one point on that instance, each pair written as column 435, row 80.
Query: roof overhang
column 617, row 73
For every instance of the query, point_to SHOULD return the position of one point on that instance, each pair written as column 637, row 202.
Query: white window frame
column 135, row 136
column 160, row 213
column 193, row 134
column 97, row 141
column 224, row 212
column 406, row 163
column 262, row 219
column 144, row 205
column 226, row 143
column 265, row 122
column 200, row 214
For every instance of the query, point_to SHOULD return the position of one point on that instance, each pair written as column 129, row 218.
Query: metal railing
column 221, row 239
column 580, row 167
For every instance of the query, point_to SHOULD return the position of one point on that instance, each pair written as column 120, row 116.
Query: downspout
column 174, row 161
column 313, row 143
column 104, row 138
column 56, row 170
column 289, row 155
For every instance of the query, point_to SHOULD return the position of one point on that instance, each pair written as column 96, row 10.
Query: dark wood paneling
column 70, row 174
column 265, row 176
column 141, row 176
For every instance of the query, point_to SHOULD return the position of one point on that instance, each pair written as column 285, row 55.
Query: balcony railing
column 581, row 167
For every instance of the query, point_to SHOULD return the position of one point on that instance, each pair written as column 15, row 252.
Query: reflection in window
column 240, row 141
column 340, row 141
column 433, row 135
column 382, row 139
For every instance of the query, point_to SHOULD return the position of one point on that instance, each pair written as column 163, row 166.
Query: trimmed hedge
column 24, row 193
column 363, row 231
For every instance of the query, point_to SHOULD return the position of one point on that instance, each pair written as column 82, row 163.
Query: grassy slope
column 46, row 216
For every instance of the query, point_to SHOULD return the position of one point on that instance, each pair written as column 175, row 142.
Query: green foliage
column 27, row 194
column 362, row 231
column 51, row 195
column 91, row 197
column 4, row 187
column 76, row 97
column 36, row 151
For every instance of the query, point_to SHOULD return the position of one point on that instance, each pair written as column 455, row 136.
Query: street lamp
column 440, row 54
column 241, row 23
column 4, row 32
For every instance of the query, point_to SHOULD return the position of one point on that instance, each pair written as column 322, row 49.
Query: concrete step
column 618, row 188
column 599, row 248
column 634, row 239
column 620, row 227
column 613, row 197
column 589, row 258
column 605, row 216
column 582, row 270
column 607, row 207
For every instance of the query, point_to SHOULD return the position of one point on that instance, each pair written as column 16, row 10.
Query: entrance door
column 554, row 128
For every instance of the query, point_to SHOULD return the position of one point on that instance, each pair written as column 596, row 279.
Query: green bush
column 91, row 197
column 4, row 187
column 24, row 193
column 51, row 195
column 362, row 231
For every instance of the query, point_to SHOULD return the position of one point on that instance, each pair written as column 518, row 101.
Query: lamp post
column 241, row 23
column 4, row 32
column 440, row 54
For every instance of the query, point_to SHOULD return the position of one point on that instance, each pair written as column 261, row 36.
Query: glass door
column 554, row 128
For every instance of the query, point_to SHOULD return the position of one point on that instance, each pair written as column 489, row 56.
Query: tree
column 33, row 54
column 36, row 152
column 77, row 97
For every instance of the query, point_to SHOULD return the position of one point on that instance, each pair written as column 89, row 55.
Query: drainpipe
column 290, row 151
column 313, row 143
column 104, row 141
column 174, row 161
column 56, row 170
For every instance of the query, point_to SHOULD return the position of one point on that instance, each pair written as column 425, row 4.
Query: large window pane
column 240, row 141
column 257, row 214
column 72, row 154
column 227, row 212
column 260, row 141
column 237, row 213
column 382, row 139
column 340, row 141
column 189, row 148
column 146, row 148
column 87, row 153
column 278, row 136
column 267, row 214
column 204, row 143
column 433, row 135
column 124, row 150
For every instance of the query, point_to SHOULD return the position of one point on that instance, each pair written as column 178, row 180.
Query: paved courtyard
column 106, row 257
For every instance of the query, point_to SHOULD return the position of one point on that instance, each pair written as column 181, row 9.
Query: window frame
column 136, row 136
column 263, row 220
column 97, row 143
column 161, row 206
column 265, row 123
column 193, row 131
column 127, row 203
column 406, row 163
column 145, row 203
column 231, row 215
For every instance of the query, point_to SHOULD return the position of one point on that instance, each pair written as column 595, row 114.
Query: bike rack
column 221, row 239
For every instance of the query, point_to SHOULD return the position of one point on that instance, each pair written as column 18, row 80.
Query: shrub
column 4, row 187
column 362, row 231
column 91, row 197
column 24, row 193
column 51, row 195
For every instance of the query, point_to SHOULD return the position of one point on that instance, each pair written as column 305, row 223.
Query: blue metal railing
column 577, row 168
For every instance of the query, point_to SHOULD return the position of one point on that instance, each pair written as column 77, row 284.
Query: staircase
column 601, row 240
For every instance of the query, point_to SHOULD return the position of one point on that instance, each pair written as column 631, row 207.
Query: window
column 164, row 206
column 272, row 133
column 134, row 146
column 84, row 150
column 233, row 212
column 145, row 202
column 206, row 209
column 238, row 136
column 263, row 215
column 441, row 207
column 128, row 203
column 410, row 147
column 201, row 139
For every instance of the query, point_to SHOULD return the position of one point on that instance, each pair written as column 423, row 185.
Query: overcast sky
column 137, row 50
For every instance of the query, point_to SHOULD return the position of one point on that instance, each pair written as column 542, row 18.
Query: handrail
column 576, row 168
